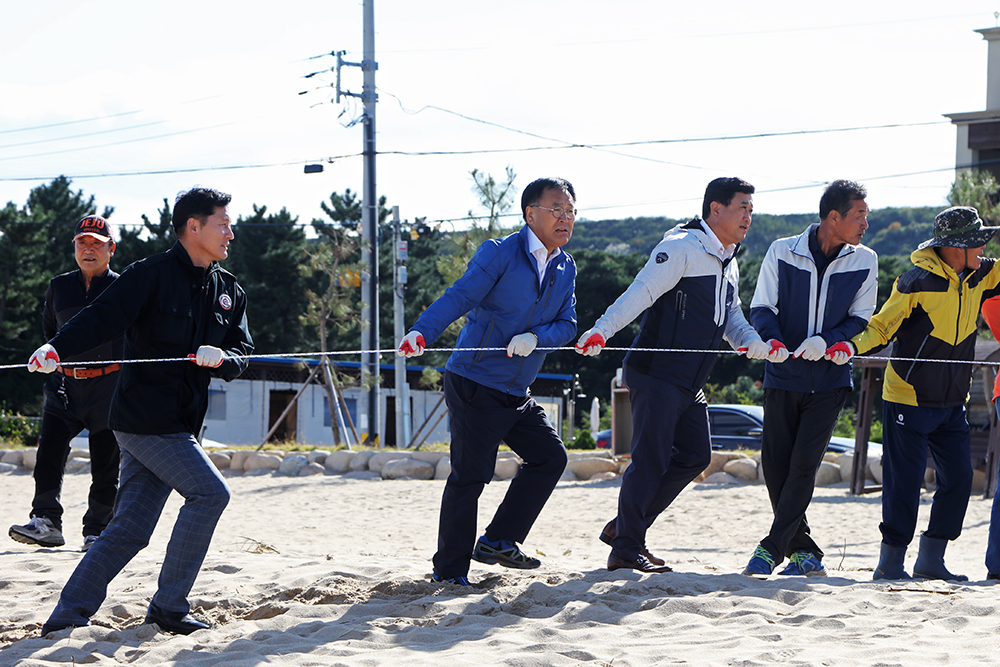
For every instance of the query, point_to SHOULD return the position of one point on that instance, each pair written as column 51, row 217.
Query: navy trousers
column 670, row 447
column 908, row 433
column 797, row 430
column 87, row 405
column 480, row 418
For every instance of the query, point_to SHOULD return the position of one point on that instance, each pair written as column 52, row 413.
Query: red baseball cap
column 96, row 226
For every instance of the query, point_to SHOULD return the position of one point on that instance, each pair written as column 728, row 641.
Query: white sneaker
column 88, row 541
column 39, row 531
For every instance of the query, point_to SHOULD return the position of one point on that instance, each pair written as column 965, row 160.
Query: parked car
column 740, row 427
column 604, row 439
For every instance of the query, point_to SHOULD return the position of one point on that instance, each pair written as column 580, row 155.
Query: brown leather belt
column 88, row 372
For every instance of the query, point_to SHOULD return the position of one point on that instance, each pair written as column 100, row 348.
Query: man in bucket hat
column 930, row 315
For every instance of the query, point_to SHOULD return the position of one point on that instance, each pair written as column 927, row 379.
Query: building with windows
column 241, row 412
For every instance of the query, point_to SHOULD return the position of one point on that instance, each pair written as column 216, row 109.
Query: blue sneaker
column 458, row 581
column 803, row 563
column 760, row 563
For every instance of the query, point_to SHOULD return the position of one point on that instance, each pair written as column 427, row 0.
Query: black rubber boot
column 930, row 560
column 890, row 564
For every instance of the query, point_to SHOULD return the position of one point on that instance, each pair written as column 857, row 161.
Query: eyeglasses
column 568, row 213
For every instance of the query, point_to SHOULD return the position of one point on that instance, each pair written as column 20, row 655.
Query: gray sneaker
column 39, row 531
column 88, row 541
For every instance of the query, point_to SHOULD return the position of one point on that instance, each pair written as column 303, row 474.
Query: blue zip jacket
column 501, row 295
column 793, row 302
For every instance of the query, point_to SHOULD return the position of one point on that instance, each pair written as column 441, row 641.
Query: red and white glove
column 778, row 351
column 208, row 356
column 811, row 349
column 412, row 345
column 840, row 353
column 591, row 343
column 756, row 349
column 522, row 344
column 44, row 360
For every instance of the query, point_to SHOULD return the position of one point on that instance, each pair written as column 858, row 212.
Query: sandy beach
column 332, row 571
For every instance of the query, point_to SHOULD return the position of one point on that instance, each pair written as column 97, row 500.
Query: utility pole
column 399, row 330
column 368, row 413
column 369, row 236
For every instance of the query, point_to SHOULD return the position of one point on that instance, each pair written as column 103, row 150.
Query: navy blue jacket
column 793, row 302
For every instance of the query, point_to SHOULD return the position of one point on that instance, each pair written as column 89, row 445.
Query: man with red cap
column 77, row 398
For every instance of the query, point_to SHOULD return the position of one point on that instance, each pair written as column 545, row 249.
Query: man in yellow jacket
column 931, row 318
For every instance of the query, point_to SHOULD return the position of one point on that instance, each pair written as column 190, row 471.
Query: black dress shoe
column 174, row 622
column 640, row 563
column 611, row 531
column 993, row 575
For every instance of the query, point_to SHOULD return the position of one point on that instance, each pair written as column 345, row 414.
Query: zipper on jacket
column 548, row 292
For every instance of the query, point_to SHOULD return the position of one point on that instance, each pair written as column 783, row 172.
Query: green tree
column 150, row 239
column 265, row 255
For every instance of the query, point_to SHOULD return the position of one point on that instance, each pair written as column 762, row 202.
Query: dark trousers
column 480, row 418
column 993, row 544
column 670, row 447
column 908, row 433
column 87, row 405
column 797, row 430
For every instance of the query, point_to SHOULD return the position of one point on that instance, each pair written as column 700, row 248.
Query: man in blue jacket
column 176, row 305
column 518, row 293
column 688, row 296
column 813, row 290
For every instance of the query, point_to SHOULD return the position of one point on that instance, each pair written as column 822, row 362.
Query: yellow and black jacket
column 931, row 314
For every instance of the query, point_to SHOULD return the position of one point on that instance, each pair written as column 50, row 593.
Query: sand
column 335, row 571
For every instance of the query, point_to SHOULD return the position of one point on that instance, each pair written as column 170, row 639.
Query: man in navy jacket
column 518, row 294
column 813, row 290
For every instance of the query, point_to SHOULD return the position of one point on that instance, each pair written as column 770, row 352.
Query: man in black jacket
column 77, row 398
column 178, row 305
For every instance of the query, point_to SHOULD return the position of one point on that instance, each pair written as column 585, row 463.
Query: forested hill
column 891, row 231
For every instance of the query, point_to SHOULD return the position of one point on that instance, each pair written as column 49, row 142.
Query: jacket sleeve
column 653, row 280
column 764, row 305
column 49, row 324
column 883, row 325
column 562, row 329
column 238, row 344
column 466, row 293
column 738, row 331
column 108, row 316
column 860, row 311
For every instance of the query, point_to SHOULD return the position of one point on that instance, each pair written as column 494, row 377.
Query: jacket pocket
column 172, row 324
column 485, row 341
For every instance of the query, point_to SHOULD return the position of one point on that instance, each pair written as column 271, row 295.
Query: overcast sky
column 143, row 93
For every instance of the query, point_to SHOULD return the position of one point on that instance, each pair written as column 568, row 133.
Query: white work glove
column 45, row 359
column 757, row 349
column 412, row 345
column 812, row 349
column 840, row 353
column 591, row 343
column 522, row 344
column 208, row 356
column 778, row 351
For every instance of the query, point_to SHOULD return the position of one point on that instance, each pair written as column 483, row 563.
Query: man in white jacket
column 689, row 292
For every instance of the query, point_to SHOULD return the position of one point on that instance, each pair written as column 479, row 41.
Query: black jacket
column 167, row 308
column 67, row 296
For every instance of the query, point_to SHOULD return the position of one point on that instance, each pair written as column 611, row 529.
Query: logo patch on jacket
column 226, row 302
column 661, row 257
